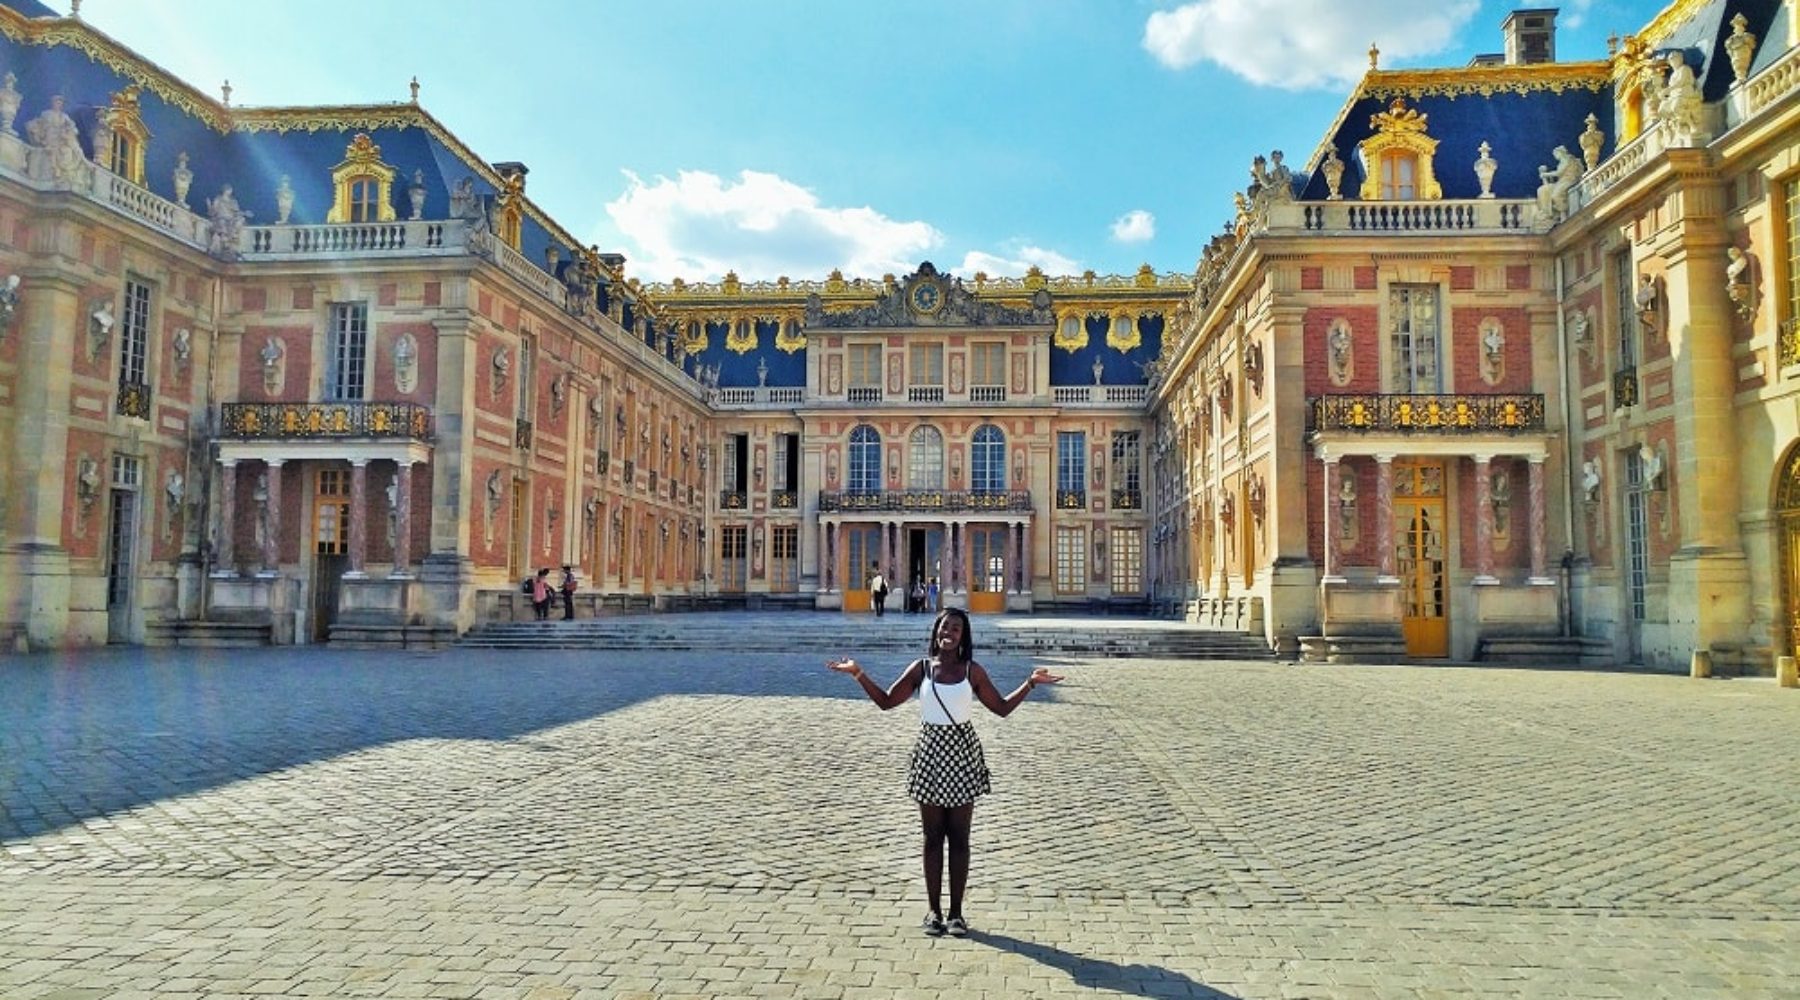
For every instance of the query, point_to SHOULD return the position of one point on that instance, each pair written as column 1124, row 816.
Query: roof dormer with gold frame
column 509, row 210
column 125, row 134
column 362, row 186
column 1397, row 159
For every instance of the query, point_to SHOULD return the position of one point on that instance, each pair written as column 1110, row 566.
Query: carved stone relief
column 1339, row 344
column 406, row 364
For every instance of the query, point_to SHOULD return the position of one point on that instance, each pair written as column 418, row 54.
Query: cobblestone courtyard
column 304, row 823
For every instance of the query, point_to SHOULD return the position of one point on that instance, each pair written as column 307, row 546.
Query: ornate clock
column 926, row 297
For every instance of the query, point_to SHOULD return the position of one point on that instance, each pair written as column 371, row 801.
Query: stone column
column 1540, row 514
column 1384, row 515
column 359, row 506
column 1329, row 525
column 271, row 548
column 226, row 564
column 1012, row 557
column 403, row 521
column 1484, row 522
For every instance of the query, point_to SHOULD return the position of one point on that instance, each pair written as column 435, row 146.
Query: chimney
column 1530, row 36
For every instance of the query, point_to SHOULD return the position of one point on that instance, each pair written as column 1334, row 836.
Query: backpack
column 525, row 586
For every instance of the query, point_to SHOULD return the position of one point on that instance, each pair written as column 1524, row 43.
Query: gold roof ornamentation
column 1400, row 130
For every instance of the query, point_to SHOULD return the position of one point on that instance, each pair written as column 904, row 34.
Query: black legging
column 952, row 823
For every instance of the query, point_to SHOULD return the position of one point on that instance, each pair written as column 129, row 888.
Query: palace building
column 1504, row 369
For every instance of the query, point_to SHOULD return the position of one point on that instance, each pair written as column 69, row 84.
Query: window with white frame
column 865, row 460
column 134, row 334
column 1413, row 338
column 346, row 375
column 865, row 366
column 987, row 460
column 1071, row 560
column 1071, row 464
column 925, row 459
column 927, row 364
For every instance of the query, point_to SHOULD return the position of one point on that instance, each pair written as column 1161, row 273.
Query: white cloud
column 1135, row 226
column 1309, row 43
column 1574, row 14
column 1017, row 263
column 698, row 226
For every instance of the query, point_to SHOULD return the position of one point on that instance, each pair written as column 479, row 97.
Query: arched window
column 361, row 186
column 987, row 460
column 865, row 460
column 925, row 459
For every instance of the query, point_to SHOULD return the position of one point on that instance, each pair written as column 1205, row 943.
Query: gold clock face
column 927, row 297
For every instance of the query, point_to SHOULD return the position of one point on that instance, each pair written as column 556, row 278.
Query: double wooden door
column 1420, row 536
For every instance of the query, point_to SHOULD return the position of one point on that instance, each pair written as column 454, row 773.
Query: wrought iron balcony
column 1127, row 500
column 925, row 501
column 1461, row 413
column 784, row 499
column 1787, row 346
column 1071, row 499
column 302, row 421
column 522, row 434
column 134, row 400
column 604, row 462
column 1625, row 387
column 630, row 472
column 733, row 500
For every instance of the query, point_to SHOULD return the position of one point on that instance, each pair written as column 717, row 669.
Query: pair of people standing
column 543, row 595
column 948, row 771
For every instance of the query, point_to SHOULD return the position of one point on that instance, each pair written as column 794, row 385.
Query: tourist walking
column 878, row 589
column 931, row 597
column 948, row 770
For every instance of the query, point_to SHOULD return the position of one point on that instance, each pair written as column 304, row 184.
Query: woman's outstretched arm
column 991, row 697
column 896, row 695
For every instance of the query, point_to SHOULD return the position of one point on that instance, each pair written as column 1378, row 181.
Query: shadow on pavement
column 85, row 734
column 1137, row 979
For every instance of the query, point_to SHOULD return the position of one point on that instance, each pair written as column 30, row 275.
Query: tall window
column 1398, row 176
column 1637, row 535
column 346, row 378
column 784, row 557
column 1625, row 303
column 123, row 158
column 1790, row 200
column 134, row 333
column 732, row 546
column 988, row 364
column 1127, row 476
column 527, row 379
column 865, row 366
column 1071, row 560
column 865, row 460
column 925, row 459
column 1127, row 561
column 365, row 196
column 1071, row 468
column 1413, row 334
column 927, row 364
column 987, row 460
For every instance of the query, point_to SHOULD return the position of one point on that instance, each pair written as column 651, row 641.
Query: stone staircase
column 828, row 632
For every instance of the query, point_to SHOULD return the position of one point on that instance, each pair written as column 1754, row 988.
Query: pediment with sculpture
column 930, row 298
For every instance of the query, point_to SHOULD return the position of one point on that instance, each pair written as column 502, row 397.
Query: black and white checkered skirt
column 947, row 766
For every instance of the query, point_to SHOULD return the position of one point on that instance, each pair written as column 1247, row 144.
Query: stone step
column 208, row 634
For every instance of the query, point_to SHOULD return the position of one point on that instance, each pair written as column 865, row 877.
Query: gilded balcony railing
column 1071, row 499
column 784, row 499
column 733, row 500
column 134, row 400
column 1787, row 346
column 1460, row 413
column 301, row 421
column 925, row 501
column 1127, row 499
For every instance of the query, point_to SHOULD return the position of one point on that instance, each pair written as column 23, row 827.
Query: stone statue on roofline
column 55, row 132
column 227, row 220
column 1681, row 107
column 1555, row 182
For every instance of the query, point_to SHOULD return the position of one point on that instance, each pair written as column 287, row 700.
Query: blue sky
column 786, row 137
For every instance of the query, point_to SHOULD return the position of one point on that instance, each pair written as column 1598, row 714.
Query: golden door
column 1790, row 562
column 1419, row 537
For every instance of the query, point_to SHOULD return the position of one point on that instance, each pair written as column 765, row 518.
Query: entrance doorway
column 1419, row 539
column 120, row 564
column 1787, row 514
column 924, row 557
column 331, row 546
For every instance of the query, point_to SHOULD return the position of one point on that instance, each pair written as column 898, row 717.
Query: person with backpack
column 568, row 588
column 540, row 594
column 878, row 589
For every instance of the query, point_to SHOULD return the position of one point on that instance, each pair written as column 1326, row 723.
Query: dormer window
column 126, row 138
column 1399, row 176
column 362, row 186
column 509, row 210
column 1397, row 159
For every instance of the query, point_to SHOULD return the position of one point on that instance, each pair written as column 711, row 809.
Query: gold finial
column 1374, row 56
column 226, row 90
column 415, row 89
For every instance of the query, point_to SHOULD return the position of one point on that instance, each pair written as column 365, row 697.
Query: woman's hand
column 1043, row 676
column 846, row 666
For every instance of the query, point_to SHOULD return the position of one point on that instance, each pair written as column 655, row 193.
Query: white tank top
column 957, row 698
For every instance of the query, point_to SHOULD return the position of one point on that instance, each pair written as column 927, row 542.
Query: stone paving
column 298, row 822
